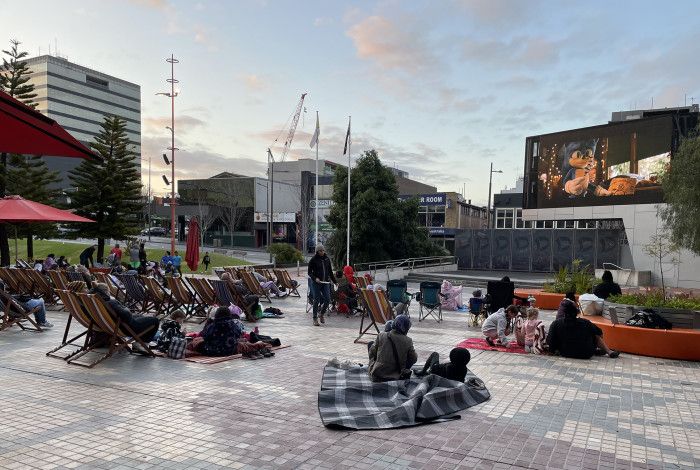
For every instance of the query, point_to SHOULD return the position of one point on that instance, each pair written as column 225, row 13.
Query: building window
column 90, row 80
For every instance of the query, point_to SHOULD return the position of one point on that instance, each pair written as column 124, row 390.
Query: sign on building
column 435, row 199
column 282, row 217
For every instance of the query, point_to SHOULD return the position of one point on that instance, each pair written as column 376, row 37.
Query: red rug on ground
column 200, row 359
column 480, row 343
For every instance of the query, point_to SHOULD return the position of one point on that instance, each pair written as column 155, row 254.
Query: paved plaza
column 143, row 413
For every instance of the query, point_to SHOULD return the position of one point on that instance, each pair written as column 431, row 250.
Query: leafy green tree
column 382, row 227
column 27, row 176
column 108, row 189
column 681, row 185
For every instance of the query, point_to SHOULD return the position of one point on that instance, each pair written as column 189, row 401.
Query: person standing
column 143, row 259
column 134, row 256
column 206, row 261
column 86, row 256
column 177, row 263
column 117, row 252
column 321, row 274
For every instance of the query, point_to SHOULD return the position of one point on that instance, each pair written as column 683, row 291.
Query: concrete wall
column 641, row 222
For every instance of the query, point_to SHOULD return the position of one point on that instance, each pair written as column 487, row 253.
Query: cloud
column 323, row 21
column 378, row 39
column 254, row 83
column 156, row 4
column 498, row 13
column 183, row 124
column 528, row 51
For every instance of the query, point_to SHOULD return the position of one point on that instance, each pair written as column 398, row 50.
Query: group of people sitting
column 568, row 335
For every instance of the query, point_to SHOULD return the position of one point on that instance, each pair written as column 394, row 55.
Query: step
column 467, row 280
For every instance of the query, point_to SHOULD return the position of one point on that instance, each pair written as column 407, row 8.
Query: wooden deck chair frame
column 15, row 314
column 254, row 286
column 114, row 290
column 233, row 271
column 157, row 297
column 23, row 281
column 121, row 336
column 183, row 297
column 203, row 290
column 360, row 282
column 23, row 264
column 136, row 297
column 75, row 311
column 11, row 282
column 285, row 280
column 266, row 272
column 377, row 311
column 42, row 287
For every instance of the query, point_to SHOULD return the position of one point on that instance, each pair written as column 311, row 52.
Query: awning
column 15, row 209
column 26, row 131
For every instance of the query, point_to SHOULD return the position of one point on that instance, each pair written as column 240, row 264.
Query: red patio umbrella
column 27, row 131
column 15, row 210
column 192, row 249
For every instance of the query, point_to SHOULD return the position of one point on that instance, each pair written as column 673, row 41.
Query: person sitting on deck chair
column 143, row 325
column 30, row 303
column 392, row 355
column 268, row 285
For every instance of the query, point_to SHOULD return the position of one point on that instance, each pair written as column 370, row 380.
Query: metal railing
column 619, row 268
column 407, row 264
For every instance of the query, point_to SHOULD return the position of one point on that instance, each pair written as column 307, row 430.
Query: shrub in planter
column 285, row 253
column 578, row 279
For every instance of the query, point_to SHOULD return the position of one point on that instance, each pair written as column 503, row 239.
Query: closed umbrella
column 192, row 249
column 16, row 209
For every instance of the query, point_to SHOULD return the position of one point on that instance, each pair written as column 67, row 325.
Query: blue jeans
column 40, row 314
column 322, row 296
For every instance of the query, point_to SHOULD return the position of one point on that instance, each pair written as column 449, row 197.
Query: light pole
column 271, row 209
column 172, row 61
column 488, row 208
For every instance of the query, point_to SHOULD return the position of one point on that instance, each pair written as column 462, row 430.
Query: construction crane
column 271, row 164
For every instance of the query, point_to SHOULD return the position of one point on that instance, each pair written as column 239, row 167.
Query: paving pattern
column 135, row 412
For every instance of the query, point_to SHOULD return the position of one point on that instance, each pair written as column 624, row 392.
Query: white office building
column 79, row 98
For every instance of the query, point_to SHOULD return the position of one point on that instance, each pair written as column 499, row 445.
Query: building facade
column 79, row 98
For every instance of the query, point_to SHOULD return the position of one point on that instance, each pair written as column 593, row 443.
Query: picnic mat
column 480, row 343
column 350, row 400
column 200, row 359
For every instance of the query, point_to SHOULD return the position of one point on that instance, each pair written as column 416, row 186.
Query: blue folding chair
column 430, row 301
column 397, row 292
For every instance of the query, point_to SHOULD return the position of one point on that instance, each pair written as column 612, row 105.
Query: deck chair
column 14, row 313
column 285, row 280
column 23, row 264
column 233, row 271
column 360, row 282
column 41, row 286
column 397, row 292
column 430, row 303
column 74, row 276
column 266, row 272
column 254, row 286
column 9, row 279
column 23, row 281
column 135, row 292
column 59, row 279
column 115, row 290
column 203, row 290
column 76, row 312
column 158, row 299
column 226, row 295
column 184, row 298
column 377, row 311
column 121, row 336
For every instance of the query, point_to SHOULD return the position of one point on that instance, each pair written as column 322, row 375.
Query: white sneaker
column 45, row 324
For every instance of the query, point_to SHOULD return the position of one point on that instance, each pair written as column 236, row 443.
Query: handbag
column 177, row 348
column 405, row 373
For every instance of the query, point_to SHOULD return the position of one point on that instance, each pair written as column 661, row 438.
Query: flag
column 314, row 138
column 347, row 140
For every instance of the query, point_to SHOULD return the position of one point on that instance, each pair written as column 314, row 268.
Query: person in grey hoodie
column 496, row 325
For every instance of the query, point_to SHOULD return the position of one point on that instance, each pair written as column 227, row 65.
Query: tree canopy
column 108, row 189
column 681, row 185
column 382, row 226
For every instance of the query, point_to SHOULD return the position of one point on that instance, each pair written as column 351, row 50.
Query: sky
column 439, row 88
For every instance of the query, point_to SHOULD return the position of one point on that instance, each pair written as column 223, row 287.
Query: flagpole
column 347, row 242
column 316, row 188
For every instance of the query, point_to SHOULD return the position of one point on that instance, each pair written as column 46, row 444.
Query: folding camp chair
column 121, row 336
column 377, row 311
column 285, row 280
column 76, row 311
column 254, row 286
column 13, row 313
column 397, row 292
column 183, row 298
column 430, row 302
column 157, row 298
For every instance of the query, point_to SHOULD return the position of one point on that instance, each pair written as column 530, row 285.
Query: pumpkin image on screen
column 622, row 186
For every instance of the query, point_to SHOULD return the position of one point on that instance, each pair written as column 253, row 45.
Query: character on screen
column 580, row 179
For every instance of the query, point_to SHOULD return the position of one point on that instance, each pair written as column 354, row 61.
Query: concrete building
column 79, row 98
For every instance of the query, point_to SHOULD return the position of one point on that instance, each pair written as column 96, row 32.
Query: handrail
column 619, row 268
column 407, row 263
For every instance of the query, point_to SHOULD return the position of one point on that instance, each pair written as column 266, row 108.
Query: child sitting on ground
column 171, row 328
column 456, row 369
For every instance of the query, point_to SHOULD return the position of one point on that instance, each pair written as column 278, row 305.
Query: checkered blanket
column 349, row 399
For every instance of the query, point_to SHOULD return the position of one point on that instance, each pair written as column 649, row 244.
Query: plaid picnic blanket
column 349, row 399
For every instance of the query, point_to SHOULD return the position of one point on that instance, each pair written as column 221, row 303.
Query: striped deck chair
column 285, row 280
column 23, row 280
column 74, row 276
column 226, row 295
column 219, row 272
column 254, row 286
column 266, row 272
column 13, row 313
column 203, row 290
column 114, row 289
column 233, row 271
column 184, row 298
column 121, row 336
column 75, row 312
column 11, row 282
column 23, row 264
column 135, row 292
column 157, row 297
column 360, row 282
column 377, row 311
column 59, row 279
column 41, row 286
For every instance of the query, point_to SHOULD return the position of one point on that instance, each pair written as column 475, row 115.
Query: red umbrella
column 27, row 131
column 15, row 209
column 192, row 250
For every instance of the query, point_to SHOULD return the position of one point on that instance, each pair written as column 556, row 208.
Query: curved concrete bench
column 681, row 343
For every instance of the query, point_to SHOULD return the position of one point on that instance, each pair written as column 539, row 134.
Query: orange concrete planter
column 678, row 343
column 545, row 300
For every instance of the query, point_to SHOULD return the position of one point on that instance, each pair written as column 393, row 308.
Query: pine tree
column 108, row 189
column 14, row 75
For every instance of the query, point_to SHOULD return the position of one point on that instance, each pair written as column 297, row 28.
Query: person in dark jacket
column 456, row 369
column 86, row 256
column 608, row 287
column 575, row 337
column 392, row 353
column 143, row 325
column 143, row 259
column 321, row 274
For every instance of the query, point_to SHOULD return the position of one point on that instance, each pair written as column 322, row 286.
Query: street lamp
column 172, row 61
column 488, row 208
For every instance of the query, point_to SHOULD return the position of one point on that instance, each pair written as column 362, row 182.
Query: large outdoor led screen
column 619, row 163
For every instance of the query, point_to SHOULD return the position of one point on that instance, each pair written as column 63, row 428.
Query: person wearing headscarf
column 575, row 337
column 392, row 352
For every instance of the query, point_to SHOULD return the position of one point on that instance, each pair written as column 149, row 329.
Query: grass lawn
column 71, row 250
